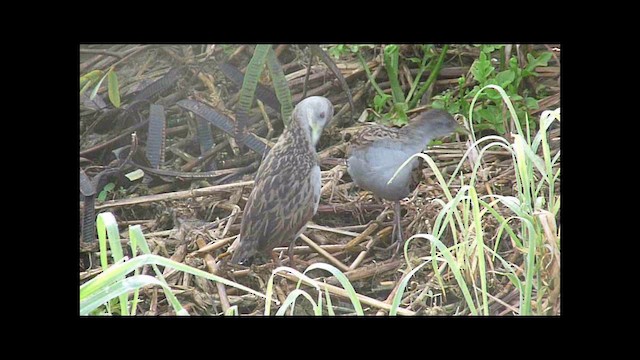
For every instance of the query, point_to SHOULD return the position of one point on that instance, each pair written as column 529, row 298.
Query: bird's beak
column 316, row 132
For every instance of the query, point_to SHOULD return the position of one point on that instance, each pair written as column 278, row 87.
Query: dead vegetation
column 193, row 218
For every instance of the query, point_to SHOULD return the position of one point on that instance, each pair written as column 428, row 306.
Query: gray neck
column 422, row 130
column 419, row 135
column 300, row 127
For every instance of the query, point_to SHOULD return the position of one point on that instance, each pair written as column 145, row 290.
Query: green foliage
column 114, row 91
column 264, row 54
column 102, row 196
column 492, row 115
column 95, row 78
column 535, row 206
column 394, row 108
column 280, row 85
column 338, row 51
column 109, row 292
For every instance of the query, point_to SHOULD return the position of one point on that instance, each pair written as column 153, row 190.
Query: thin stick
column 324, row 253
column 368, row 247
column 214, row 246
column 332, row 230
column 214, row 268
column 185, row 194
column 369, row 270
column 301, row 250
column 389, row 299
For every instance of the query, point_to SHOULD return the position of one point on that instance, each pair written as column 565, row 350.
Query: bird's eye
column 322, row 115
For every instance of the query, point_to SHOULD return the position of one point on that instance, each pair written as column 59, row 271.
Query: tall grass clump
column 112, row 292
column 528, row 220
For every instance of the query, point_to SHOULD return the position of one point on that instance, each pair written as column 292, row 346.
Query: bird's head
column 437, row 123
column 243, row 254
column 314, row 113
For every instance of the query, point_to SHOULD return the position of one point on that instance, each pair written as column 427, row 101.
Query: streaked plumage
column 376, row 152
column 286, row 192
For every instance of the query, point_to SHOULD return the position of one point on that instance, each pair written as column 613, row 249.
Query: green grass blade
column 506, row 100
column 369, row 76
column 344, row 281
column 329, row 304
column 280, row 86
column 391, row 56
column 123, row 287
column 106, row 224
column 432, row 77
column 232, row 311
column 116, row 271
column 423, row 66
column 480, row 248
column 292, row 298
column 94, row 92
column 454, row 268
column 397, row 298
column 269, row 292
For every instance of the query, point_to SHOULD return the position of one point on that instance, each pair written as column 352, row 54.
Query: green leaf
column 437, row 104
column 91, row 77
column 250, row 82
column 107, row 188
column 454, row 108
column 461, row 80
column 482, row 68
column 280, row 85
column 505, row 78
column 337, row 51
column 135, row 175
column 114, row 92
column 541, row 60
column 95, row 89
column 490, row 113
column 379, row 101
column 531, row 103
column 487, row 49
column 491, row 93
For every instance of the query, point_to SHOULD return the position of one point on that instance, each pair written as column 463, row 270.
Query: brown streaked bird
column 376, row 152
column 286, row 191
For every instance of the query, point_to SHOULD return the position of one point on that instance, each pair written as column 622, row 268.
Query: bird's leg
column 397, row 230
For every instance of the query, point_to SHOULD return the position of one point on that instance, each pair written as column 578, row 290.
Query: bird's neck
column 300, row 133
column 419, row 134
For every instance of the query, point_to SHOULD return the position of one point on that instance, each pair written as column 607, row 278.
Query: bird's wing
column 285, row 197
column 371, row 134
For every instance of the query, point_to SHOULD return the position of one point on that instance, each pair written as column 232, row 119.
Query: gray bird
column 287, row 185
column 375, row 153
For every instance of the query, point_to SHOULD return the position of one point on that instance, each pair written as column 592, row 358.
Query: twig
column 299, row 250
column 214, row 268
column 331, row 230
column 369, row 271
column 174, row 195
column 324, row 253
column 214, row 246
